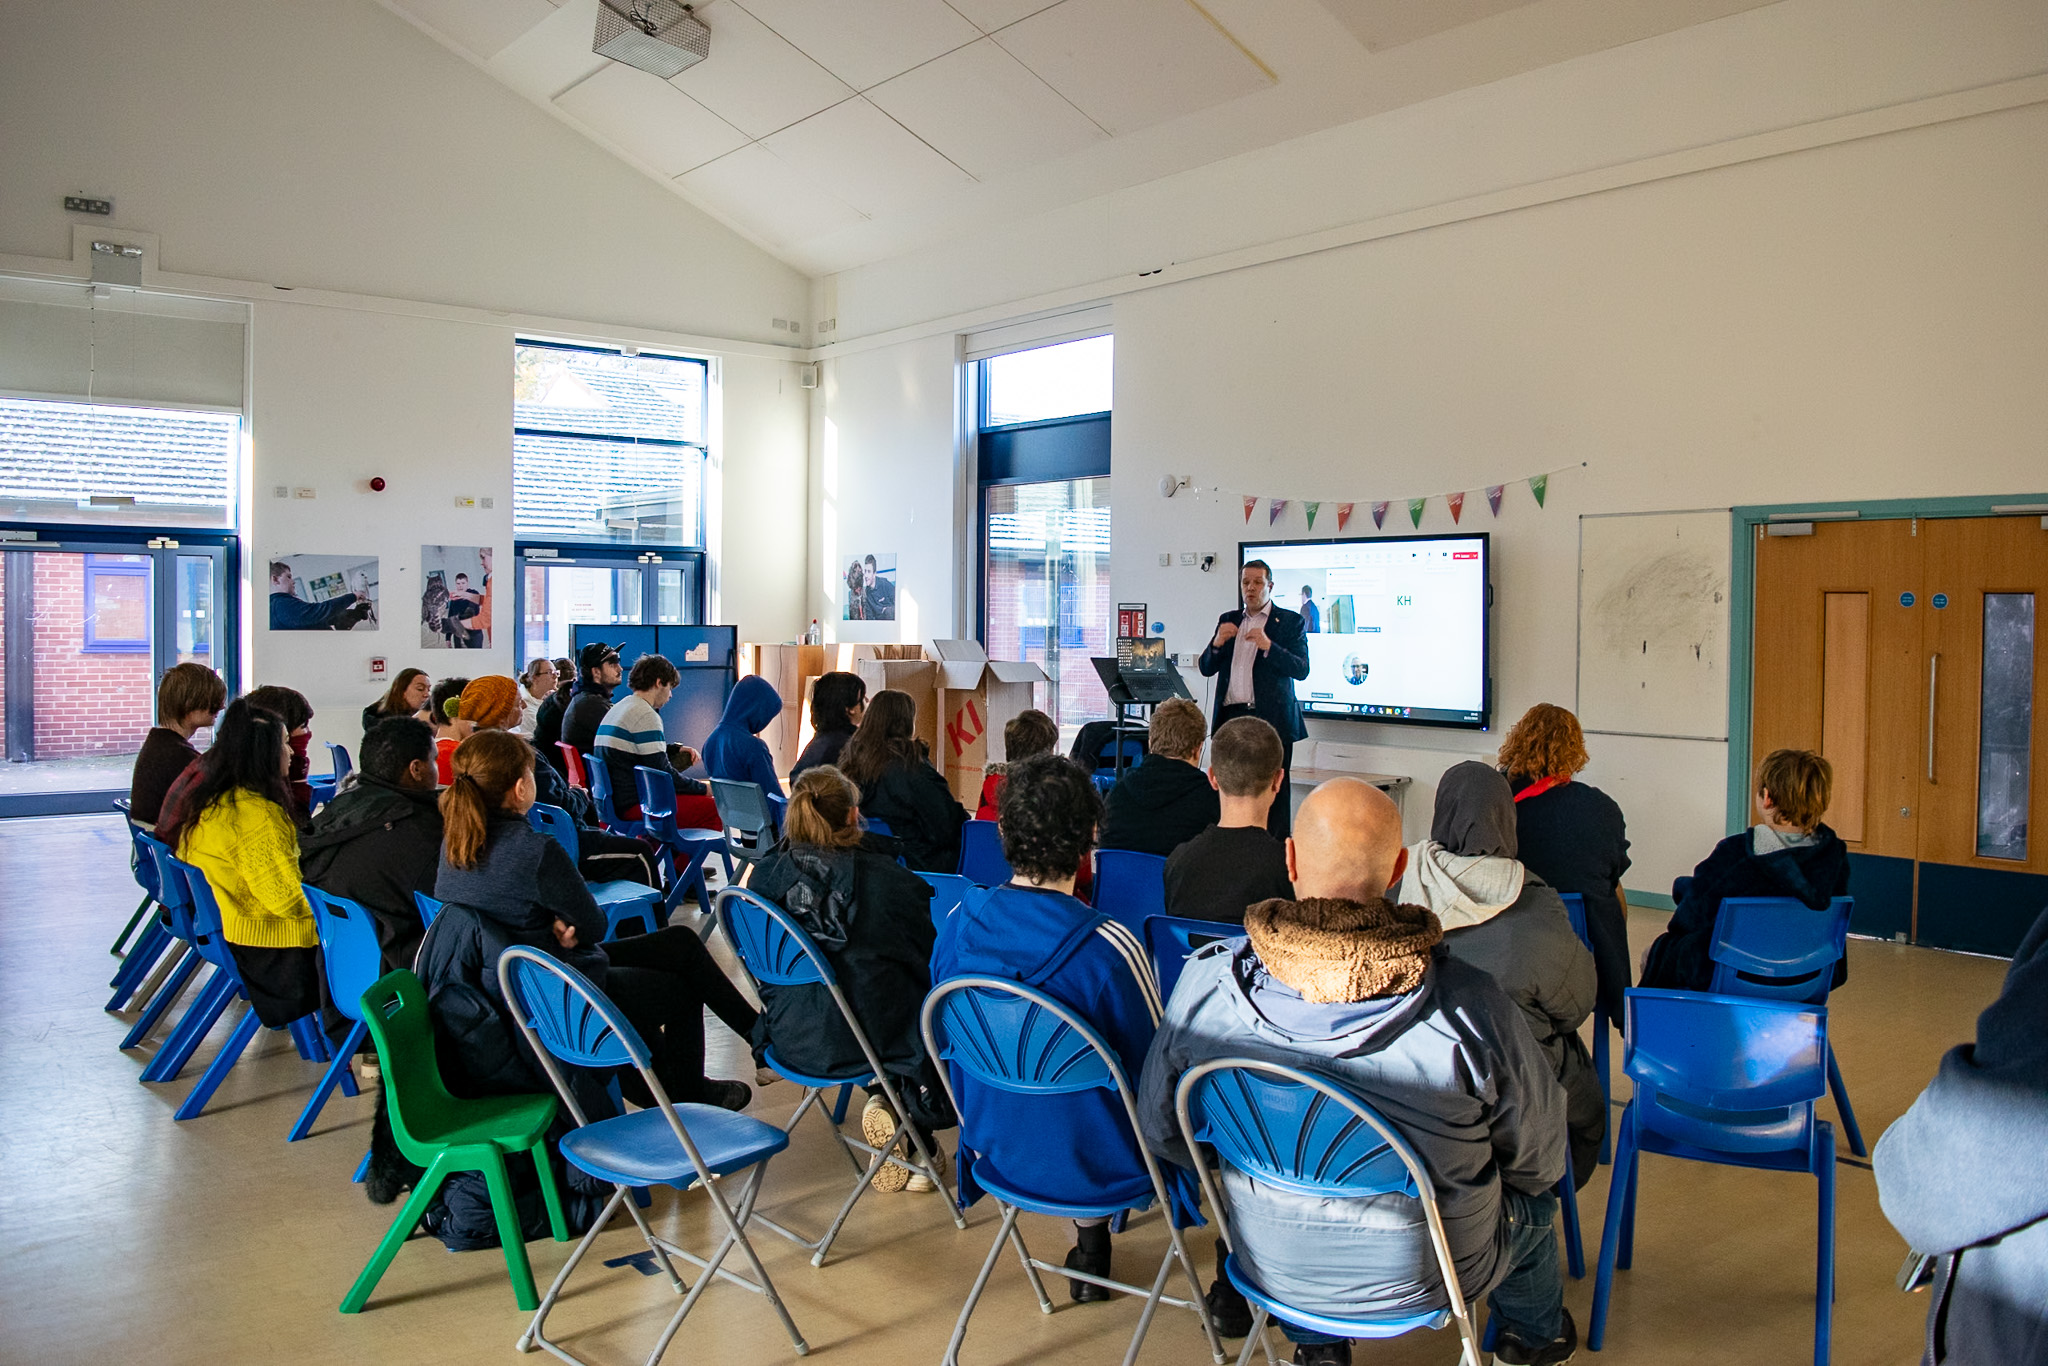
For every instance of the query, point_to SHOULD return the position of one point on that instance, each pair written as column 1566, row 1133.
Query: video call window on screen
column 1397, row 626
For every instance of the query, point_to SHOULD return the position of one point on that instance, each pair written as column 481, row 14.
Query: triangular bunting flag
column 1251, row 500
column 1539, row 485
column 1493, row 493
column 1311, row 509
column 1273, row 513
column 1343, row 514
column 1379, row 514
column 1457, row 502
column 1415, row 506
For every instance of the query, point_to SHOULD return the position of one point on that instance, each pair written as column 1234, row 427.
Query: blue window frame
column 118, row 605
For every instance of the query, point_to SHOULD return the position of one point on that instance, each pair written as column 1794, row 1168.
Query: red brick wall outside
column 86, row 704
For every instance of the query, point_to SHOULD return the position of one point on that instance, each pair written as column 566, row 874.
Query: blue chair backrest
column 429, row 908
column 1778, row 947
column 657, row 801
column 876, row 826
column 1725, row 1073
column 172, row 891
column 1298, row 1132
column 557, row 824
column 1014, row 1038
column 769, row 941
column 1575, row 911
column 1130, row 886
column 572, row 1018
column 1172, row 939
column 601, row 791
column 206, row 920
column 348, row 949
column 981, row 855
column 743, row 811
column 338, row 756
column 948, row 891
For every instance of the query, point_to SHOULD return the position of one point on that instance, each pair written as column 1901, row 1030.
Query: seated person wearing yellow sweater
column 236, row 827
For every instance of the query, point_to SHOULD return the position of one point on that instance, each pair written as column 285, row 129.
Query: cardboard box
column 790, row 669
column 978, row 696
column 914, row 675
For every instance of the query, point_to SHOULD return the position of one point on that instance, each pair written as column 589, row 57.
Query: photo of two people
column 455, row 597
column 871, row 589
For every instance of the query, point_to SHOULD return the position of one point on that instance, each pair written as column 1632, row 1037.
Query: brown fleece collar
column 1332, row 951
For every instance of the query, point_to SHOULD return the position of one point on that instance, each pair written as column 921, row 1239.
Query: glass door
column 564, row 588
column 1045, row 569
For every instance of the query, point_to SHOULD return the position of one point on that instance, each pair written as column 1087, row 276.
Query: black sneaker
column 1228, row 1310
column 1322, row 1353
column 1511, row 1350
column 727, row 1095
column 1095, row 1264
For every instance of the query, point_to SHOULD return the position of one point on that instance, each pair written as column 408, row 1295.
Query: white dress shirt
column 1244, row 654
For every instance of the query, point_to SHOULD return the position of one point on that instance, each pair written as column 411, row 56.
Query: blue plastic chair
column 143, row 957
column 1014, row 1039
column 776, row 952
column 1728, row 1080
column 1780, row 949
column 874, row 825
column 748, row 819
column 621, row 902
column 1130, row 886
column 429, row 908
column 948, row 891
column 684, row 851
column 601, row 798
column 353, row 962
column 564, row 1017
column 1299, row 1133
column 1171, row 940
column 982, row 861
column 144, row 870
column 1575, row 908
column 181, row 962
column 337, row 756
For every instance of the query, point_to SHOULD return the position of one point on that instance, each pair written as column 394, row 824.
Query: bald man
column 1347, row 984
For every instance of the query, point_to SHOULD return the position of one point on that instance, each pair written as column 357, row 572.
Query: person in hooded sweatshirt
column 894, row 772
column 1788, row 852
column 1347, row 984
column 506, row 883
column 379, row 841
column 1501, row 918
column 1167, row 800
column 1033, row 930
column 1963, row 1176
column 735, row 750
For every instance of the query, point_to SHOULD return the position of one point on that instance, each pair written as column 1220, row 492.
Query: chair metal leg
column 1180, row 1255
column 535, row 1336
column 550, row 1191
column 1568, row 1206
column 1824, row 1277
column 1610, row 1237
column 1601, row 1028
column 505, row 1207
column 1841, row 1094
column 394, row 1237
column 1255, row 1338
column 1030, row 1270
column 165, row 997
column 192, row 1028
column 343, row 1058
column 736, row 1232
column 121, row 939
column 988, row 1263
column 217, row 1070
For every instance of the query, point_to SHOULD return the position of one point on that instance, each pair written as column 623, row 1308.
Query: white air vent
column 660, row 37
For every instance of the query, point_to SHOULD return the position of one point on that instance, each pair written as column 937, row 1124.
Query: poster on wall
column 455, row 597
column 871, row 588
column 323, row 593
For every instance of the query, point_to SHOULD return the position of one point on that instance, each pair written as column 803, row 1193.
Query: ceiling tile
column 985, row 112
column 1129, row 64
column 865, row 42
column 991, row 15
column 552, row 55
column 866, row 158
column 482, row 28
column 650, row 120
column 753, row 79
column 1383, row 24
column 768, row 197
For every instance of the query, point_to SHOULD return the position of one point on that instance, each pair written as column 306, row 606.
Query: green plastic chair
column 446, row 1135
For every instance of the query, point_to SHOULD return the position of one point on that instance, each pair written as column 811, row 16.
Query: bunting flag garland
column 1251, row 500
column 1539, row 485
column 1496, row 495
column 1379, row 515
column 1493, row 493
column 1343, row 514
column 1310, row 509
column 1415, row 506
column 1273, row 513
column 1457, row 502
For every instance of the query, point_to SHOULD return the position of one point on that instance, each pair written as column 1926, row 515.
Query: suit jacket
column 1274, row 671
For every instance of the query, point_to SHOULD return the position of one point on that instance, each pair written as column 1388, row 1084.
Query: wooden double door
column 1907, row 652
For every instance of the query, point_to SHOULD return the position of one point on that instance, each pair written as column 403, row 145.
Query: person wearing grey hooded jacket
column 1501, row 918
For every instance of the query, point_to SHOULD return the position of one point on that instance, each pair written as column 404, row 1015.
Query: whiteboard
column 1653, row 624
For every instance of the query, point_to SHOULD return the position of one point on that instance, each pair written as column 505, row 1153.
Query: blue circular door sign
column 1940, row 600
column 1905, row 599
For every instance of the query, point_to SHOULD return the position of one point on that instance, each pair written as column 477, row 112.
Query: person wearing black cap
column 597, row 673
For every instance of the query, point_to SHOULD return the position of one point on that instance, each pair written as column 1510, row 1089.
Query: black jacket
column 1813, row 873
column 547, row 723
column 1274, row 671
column 1158, row 806
column 872, row 918
column 921, row 812
column 377, row 844
column 583, row 715
column 1574, row 838
column 823, row 749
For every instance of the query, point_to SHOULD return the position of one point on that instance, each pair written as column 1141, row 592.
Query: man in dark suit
column 1258, row 653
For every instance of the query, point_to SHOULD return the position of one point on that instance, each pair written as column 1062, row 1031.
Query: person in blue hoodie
column 734, row 750
column 1032, row 930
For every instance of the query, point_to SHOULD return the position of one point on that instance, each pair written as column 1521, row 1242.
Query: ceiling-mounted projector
column 661, row 37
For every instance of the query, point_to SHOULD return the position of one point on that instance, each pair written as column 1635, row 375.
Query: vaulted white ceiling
column 841, row 132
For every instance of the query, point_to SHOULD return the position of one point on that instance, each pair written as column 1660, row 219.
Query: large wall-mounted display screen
column 1397, row 625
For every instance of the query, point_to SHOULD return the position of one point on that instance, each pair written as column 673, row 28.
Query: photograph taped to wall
column 323, row 592
column 455, row 597
column 870, row 588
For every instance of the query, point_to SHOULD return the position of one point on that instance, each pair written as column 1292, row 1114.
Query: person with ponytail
column 872, row 919
column 890, row 765
column 235, row 825
column 505, row 883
